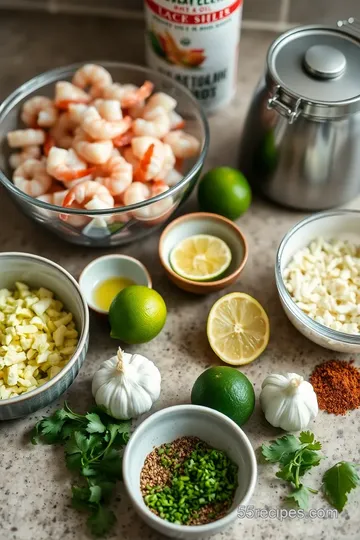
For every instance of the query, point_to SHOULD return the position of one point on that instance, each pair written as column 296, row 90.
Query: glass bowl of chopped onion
column 317, row 274
column 91, row 223
column 44, row 333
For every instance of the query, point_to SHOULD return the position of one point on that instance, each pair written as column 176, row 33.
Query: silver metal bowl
column 101, row 228
column 40, row 272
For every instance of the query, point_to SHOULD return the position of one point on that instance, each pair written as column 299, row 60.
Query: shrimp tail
column 68, row 176
column 140, row 172
column 63, row 104
column 124, row 139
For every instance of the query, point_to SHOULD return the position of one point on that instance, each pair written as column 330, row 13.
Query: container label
column 196, row 42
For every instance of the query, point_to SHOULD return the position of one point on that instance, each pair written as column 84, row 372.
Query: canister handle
column 274, row 102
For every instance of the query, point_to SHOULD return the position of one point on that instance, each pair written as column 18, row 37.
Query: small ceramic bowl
column 204, row 223
column 107, row 267
column 208, row 425
column 40, row 272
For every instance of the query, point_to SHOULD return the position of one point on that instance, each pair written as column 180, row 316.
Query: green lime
column 226, row 390
column 137, row 314
column 224, row 191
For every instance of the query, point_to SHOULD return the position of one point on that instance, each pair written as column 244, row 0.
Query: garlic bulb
column 288, row 401
column 126, row 385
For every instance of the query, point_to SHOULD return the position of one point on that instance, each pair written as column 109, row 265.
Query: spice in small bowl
column 187, row 482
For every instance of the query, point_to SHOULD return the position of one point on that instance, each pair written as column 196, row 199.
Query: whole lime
column 224, row 191
column 137, row 314
column 226, row 390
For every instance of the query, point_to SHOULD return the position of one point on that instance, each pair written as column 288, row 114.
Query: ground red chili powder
column 337, row 386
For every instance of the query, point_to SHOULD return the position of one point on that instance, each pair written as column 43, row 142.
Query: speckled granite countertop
column 34, row 484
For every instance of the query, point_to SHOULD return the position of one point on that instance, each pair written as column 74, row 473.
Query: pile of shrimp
column 100, row 144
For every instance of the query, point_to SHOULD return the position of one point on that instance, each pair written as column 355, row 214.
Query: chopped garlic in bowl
column 324, row 281
column 37, row 338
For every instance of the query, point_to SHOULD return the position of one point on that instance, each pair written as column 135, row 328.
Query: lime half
column 201, row 257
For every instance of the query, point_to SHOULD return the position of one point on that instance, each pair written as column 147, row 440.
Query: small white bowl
column 341, row 224
column 210, row 426
column 107, row 267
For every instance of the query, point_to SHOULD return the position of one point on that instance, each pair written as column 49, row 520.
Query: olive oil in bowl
column 105, row 291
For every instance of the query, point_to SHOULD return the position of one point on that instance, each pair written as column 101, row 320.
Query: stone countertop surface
column 34, row 483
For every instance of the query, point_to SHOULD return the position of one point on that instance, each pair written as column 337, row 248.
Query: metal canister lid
column 316, row 70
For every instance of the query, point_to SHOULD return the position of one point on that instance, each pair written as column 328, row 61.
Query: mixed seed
column 188, row 483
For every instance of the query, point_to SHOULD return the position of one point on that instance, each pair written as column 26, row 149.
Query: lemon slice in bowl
column 201, row 257
column 238, row 328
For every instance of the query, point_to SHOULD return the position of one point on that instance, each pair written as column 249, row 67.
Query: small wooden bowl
column 204, row 223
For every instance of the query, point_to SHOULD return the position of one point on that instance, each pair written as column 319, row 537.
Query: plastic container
column 196, row 42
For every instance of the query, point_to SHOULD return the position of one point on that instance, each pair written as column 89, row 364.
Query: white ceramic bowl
column 107, row 267
column 40, row 272
column 342, row 224
column 212, row 427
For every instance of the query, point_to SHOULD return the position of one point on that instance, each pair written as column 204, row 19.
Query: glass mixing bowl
column 113, row 226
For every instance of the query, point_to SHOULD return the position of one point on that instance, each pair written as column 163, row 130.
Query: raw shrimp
column 139, row 192
column 76, row 112
column 93, row 78
column 129, row 95
column 56, row 198
column 26, row 137
column 135, row 193
column 124, row 139
column 85, row 192
column 39, row 111
column 116, row 175
column 169, row 162
column 100, row 129
column 172, row 178
column 130, row 156
column 29, row 152
column 66, row 165
column 155, row 123
column 176, row 121
column 183, row 144
column 64, row 130
column 150, row 152
column 109, row 109
column 31, row 177
column 160, row 99
column 67, row 93
column 97, row 152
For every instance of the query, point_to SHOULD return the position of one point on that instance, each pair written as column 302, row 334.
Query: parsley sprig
column 296, row 456
column 91, row 443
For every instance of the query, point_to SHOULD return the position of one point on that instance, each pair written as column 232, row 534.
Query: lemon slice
column 238, row 328
column 201, row 257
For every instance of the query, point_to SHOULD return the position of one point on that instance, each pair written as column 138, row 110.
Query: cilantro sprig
column 296, row 456
column 91, row 443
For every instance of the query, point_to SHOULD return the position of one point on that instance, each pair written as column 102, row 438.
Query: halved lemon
column 201, row 257
column 238, row 328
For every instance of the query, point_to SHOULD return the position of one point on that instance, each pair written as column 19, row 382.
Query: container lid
column 319, row 66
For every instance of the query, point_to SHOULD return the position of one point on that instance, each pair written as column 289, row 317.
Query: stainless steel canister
column 301, row 140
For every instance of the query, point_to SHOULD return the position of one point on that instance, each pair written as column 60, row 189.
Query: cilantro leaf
column 95, row 425
column 111, row 464
column 107, row 489
column 287, row 473
column 80, row 497
column 88, row 471
column 281, row 450
column 50, row 429
column 309, row 459
column 308, row 438
column 101, row 521
column 95, row 494
column 73, row 462
column 300, row 496
column 338, row 481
